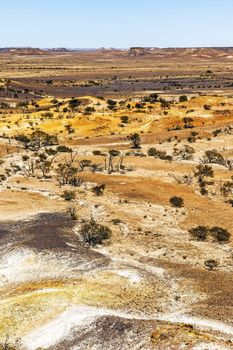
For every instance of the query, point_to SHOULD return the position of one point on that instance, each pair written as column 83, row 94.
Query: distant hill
column 144, row 52
column 23, row 51
column 205, row 53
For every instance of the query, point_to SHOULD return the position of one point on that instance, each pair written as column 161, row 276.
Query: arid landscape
column 116, row 199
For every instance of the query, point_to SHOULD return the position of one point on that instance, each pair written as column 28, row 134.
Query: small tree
column 136, row 140
column 45, row 167
column 203, row 171
column 29, row 167
column 99, row 153
column 213, row 157
column 185, row 153
column 111, row 104
column 226, row 188
column 85, row 163
column 74, row 103
column 112, row 154
column 66, row 173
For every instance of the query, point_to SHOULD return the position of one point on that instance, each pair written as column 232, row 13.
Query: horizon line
column 114, row 47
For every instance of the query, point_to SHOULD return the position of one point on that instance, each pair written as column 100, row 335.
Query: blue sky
column 116, row 23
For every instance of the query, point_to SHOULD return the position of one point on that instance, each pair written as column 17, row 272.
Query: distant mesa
column 144, row 52
column 59, row 49
column 41, row 51
column 186, row 53
column 23, row 50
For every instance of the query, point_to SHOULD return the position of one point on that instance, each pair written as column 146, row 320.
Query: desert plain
column 116, row 199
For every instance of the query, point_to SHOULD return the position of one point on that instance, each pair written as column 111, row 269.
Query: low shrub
column 64, row 149
column 94, row 233
column 72, row 212
column 68, row 195
column 220, row 234
column 211, row 264
column 177, row 202
column 199, row 232
column 99, row 189
column 116, row 221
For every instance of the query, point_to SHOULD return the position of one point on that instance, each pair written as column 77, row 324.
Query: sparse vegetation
column 109, row 161
column 94, row 233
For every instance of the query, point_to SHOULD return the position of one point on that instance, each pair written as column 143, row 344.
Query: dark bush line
column 201, row 233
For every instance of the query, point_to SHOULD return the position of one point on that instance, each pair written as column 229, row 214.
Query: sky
column 116, row 23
